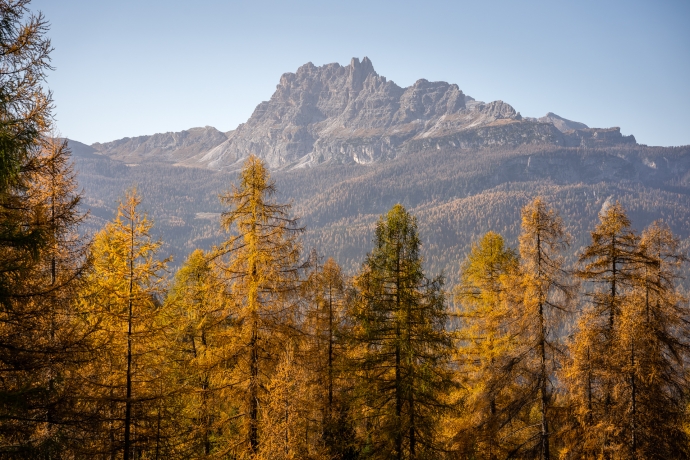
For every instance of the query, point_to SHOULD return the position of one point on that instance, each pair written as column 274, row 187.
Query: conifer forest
column 259, row 348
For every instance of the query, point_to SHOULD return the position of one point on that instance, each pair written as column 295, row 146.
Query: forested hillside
column 457, row 194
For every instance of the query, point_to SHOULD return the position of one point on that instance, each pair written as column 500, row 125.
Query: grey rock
column 563, row 125
column 348, row 114
column 167, row 147
column 351, row 114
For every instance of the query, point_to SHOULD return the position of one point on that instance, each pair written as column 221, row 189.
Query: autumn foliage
column 257, row 349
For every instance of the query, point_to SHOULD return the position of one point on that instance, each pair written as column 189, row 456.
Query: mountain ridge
column 351, row 114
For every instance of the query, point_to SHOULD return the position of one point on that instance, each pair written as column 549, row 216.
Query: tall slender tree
column 403, row 344
column 647, row 351
column 122, row 288
column 610, row 267
column 653, row 346
column 484, row 344
column 514, row 316
column 26, row 239
column 547, row 294
column 260, row 265
column 46, row 338
column 325, row 352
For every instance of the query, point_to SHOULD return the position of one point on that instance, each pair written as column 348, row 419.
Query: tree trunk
column 128, row 399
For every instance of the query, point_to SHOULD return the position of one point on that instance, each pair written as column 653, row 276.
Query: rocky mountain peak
column 562, row 124
column 345, row 114
column 352, row 114
column 359, row 72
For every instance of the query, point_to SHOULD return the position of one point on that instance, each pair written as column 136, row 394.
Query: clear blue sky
column 134, row 67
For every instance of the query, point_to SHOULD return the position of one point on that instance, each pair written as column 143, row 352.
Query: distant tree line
column 256, row 350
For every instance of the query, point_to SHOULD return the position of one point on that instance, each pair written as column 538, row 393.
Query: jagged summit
column 352, row 114
column 336, row 113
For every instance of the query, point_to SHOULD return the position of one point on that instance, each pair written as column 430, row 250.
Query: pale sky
column 134, row 67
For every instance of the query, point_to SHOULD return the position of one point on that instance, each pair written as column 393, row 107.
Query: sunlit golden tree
column 260, row 265
column 124, row 381
column 547, row 294
column 484, row 342
column 201, row 360
column 650, row 349
column 610, row 266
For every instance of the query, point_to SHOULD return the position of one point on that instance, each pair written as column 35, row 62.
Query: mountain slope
column 166, row 147
column 456, row 194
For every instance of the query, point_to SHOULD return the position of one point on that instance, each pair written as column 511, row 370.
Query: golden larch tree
column 484, row 343
column 260, row 265
column 202, row 359
column 121, row 292
column 610, row 268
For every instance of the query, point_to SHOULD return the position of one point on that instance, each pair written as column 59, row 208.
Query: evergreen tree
column 259, row 264
column 403, row 349
column 124, row 382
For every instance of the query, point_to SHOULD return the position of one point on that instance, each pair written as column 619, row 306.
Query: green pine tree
column 402, row 347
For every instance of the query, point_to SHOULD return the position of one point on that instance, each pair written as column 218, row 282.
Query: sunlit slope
column 457, row 195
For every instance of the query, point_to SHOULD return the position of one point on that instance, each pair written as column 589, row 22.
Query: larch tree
column 403, row 349
column 610, row 267
column 46, row 338
column 122, row 383
column 546, row 295
column 324, row 354
column 260, row 266
column 483, row 344
column 61, row 337
column 652, row 346
column 26, row 349
column 284, row 412
column 201, row 358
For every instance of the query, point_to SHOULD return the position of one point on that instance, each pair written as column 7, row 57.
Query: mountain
column 166, row 147
column 351, row 114
column 561, row 123
column 462, row 166
column 457, row 195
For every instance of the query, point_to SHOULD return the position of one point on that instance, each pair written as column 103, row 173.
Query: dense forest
column 253, row 347
column 458, row 195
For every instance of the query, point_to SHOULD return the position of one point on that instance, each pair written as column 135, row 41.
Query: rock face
column 166, row 147
column 351, row 114
column 562, row 124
